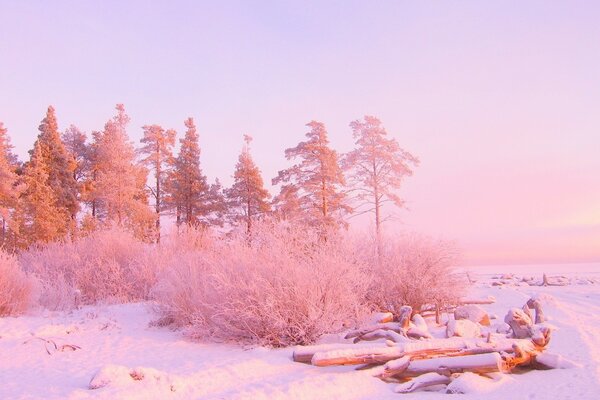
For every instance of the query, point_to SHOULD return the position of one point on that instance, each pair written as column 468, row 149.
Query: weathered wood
column 393, row 326
column 477, row 363
column 415, row 349
column 487, row 300
column 383, row 334
column 404, row 317
column 423, row 381
column 519, row 322
column 304, row 354
column 539, row 312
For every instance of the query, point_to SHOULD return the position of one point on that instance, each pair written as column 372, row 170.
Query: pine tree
column 247, row 199
column 60, row 165
column 318, row 179
column 75, row 143
column 376, row 168
column 9, row 191
column 88, row 185
column 40, row 216
column 189, row 195
column 158, row 150
column 119, row 185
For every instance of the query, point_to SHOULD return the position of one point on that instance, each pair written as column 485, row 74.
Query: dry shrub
column 414, row 270
column 283, row 286
column 15, row 286
column 107, row 265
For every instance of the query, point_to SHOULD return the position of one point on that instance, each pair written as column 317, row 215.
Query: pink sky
column 500, row 101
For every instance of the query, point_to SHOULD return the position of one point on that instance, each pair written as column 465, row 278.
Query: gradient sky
column 500, row 100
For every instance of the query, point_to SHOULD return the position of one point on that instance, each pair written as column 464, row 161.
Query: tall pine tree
column 60, row 165
column 40, row 216
column 9, row 190
column 318, row 179
column 119, row 189
column 194, row 201
column 247, row 199
column 157, row 150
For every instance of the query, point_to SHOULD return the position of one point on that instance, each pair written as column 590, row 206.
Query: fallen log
column 414, row 349
column 383, row 334
column 304, row 354
column 423, row 381
column 404, row 317
column 477, row 363
column 392, row 326
column 486, row 300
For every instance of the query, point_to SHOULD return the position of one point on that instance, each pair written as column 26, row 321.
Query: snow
column 61, row 355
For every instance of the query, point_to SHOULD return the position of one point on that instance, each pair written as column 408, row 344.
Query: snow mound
column 120, row 376
column 471, row 383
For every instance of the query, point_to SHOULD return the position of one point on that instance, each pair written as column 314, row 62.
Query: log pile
column 411, row 357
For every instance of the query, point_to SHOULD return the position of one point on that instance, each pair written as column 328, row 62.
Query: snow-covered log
column 392, row 326
column 485, row 300
column 520, row 323
column 415, row 349
column 478, row 363
column 539, row 312
column 304, row 354
column 423, row 381
column 404, row 317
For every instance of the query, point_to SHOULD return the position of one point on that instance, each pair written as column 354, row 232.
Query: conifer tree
column 9, row 190
column 376, row 168
column 59, row 164
column 119, row 185
column 318, row 179
column 75, row 143
column 247, row 199
column 88, row 186
column 40, row 216
column 158, row 151
column 189, row 195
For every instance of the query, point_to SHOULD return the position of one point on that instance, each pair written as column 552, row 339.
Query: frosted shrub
column 107, row 265
column 414, row 270
column 15, row 286
column 282, row 286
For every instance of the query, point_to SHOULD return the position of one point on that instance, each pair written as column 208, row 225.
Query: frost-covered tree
column 88, row 186
column 247, row 199
column 157, row 150
column 376, row 168
column 318, row 178
column 189, row 195
column 59, row 163
column 75, row 143
column 120, row 183
column 40, row 216
column 9, row 190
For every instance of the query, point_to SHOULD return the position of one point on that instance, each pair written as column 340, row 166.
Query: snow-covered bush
column 107, row 265
column 414, row 270
column 283, row 286
column 15, row 286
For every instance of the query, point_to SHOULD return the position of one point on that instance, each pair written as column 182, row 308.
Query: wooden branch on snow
column 304, row 354
column 415, row 350
column 423, row 381
column 404, row 317
column 487, row 300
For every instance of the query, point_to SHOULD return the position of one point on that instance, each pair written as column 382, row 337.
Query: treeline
column 73, row 184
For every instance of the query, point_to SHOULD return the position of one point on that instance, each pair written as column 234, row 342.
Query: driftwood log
column 421, row 363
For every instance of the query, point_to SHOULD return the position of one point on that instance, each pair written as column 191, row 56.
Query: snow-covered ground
column 56, row 355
